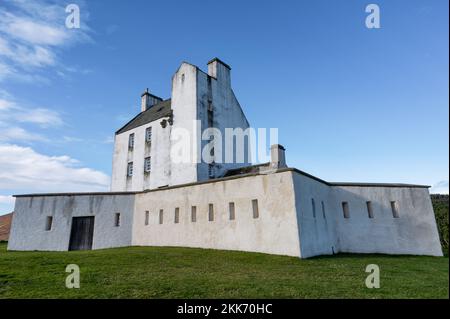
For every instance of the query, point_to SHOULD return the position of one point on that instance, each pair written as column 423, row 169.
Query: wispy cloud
column 24, row 168
column 441, row 187
column 31, row 35
column 18, row 134
column 6, row 199
column 11, row 112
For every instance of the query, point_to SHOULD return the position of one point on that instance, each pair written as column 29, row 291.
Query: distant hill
column 5, row 226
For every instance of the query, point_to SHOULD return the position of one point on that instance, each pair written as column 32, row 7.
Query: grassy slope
column 152, row 272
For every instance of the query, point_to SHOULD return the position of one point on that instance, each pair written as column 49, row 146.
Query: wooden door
column 82, row 233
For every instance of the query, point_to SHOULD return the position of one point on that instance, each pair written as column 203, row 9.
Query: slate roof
column 157, row 111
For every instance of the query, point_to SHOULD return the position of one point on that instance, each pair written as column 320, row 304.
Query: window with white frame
column 131, row 141
column 148, row 134
column 130, row 169
column 147, row 164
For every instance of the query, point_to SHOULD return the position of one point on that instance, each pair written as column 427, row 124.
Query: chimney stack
column 277, row 156
column 220, row 71
column 148, row 100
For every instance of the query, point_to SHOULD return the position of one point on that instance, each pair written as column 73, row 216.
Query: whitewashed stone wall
column 30, row 216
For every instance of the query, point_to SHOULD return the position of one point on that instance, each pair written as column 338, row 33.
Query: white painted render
column 287, row 224
column 28, row 225
column 274, row 231
column 414, row 232
column 158, row 151
column 193, row 91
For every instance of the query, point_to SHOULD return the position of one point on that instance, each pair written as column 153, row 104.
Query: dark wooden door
column 82, row 233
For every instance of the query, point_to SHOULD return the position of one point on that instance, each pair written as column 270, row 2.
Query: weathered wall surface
column 414, row 232
column 227, row 113
column 274, row 231
column 316, row 229
column 30, row 215
column 158, row 149
column 184, row 99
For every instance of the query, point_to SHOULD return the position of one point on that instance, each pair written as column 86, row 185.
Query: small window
column 147, row 217
column 369, row 209
column 130, row 169
column 148, row 134
column 232, row 212
column 48, row 223
column 255, row 208
column 117, row 219
column 194, row 214
column 161, row 216
column 313, row 204
column 177, row 215
column 147, row 164
column 211, row 169
column 394, row 208
column 131, row 141
column 346, row 210
column 323, row 210
column 211, row 212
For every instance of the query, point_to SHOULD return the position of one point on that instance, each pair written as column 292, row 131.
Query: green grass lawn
column 153, row 272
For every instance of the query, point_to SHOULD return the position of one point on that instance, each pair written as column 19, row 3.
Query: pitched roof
column 157, row 111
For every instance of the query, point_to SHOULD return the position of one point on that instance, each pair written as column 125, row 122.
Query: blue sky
column 350, row 103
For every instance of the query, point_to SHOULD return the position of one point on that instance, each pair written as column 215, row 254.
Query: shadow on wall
column 390, row 220
column 5, row 226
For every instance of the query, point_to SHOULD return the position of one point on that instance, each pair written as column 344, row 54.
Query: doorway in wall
column 82, row 233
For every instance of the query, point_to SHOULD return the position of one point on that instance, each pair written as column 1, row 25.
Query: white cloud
column 441, row 187
column 11, row 112
column 6, row 199
column 41, row 116
column 18, row 134
column 31, row 33
column 22, row 168
column 26, row 29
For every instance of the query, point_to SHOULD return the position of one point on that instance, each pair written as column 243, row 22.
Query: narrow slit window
column 177, row 215
column 117, row 220
column 147, row 217
column 232, row 210
column 48, row 223
column 255, row 208
column 211, row 212
column 194, row 214
column 323, row 210
column 369, row 209
column 131, row 141
column 346, row 209
column 313, row 204
column 394, row 207
column 130, row 169
column 161, row 216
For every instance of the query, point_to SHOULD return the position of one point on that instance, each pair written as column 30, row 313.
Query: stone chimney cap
column 281, row 147
column 147, row 92
column 220, row 61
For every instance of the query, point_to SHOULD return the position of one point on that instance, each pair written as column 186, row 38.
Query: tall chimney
column 220, row 71
column 277, row 156
column 148, row 100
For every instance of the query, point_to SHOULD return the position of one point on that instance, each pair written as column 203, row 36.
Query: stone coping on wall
column 281, row 170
